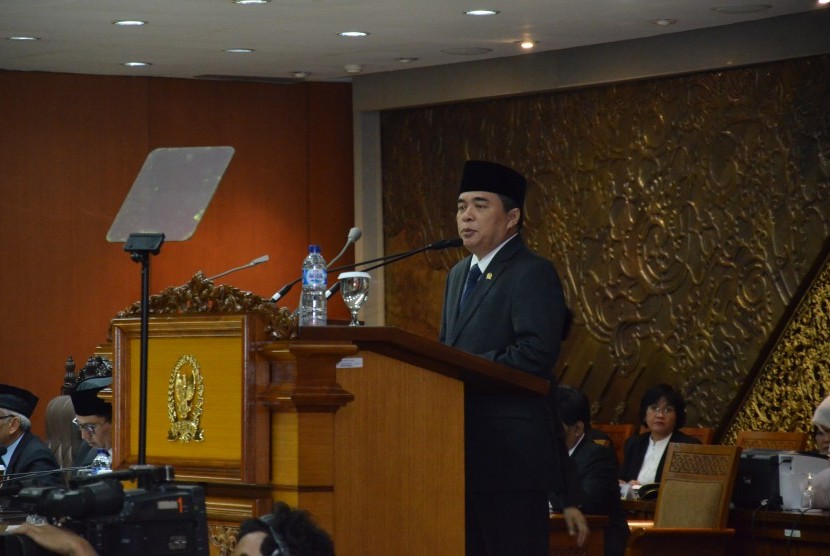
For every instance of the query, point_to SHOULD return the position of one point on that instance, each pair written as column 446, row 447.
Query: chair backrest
column 618, row 435
column 696, row 486
column 772, row 440
column 703, row 434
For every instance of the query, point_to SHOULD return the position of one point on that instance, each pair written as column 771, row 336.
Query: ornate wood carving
column 200, row 295
column 681, row 213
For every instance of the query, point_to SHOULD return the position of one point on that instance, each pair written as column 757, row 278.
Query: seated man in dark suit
column 93, row 416
column 28, row 461
column 596, row 466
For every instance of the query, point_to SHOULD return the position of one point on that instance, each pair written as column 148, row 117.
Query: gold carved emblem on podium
column 185, row 400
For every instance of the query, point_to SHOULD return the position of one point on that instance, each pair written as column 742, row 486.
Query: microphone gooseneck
column 258, row 260
column 382, row 261
column 354, row 234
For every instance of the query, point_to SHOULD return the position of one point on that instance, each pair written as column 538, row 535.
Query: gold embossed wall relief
column 681, row 213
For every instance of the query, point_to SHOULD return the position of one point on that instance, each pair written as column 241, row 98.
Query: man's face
column 8, row 426
column 482, row 221
column 95, row 430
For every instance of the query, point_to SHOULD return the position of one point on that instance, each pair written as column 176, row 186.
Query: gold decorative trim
column 201, row 296
column 223, row 537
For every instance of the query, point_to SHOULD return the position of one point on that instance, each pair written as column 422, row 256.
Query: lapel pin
column 489, row 276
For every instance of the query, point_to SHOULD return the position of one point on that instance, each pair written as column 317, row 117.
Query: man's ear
column 580, row 427
column 513, row 217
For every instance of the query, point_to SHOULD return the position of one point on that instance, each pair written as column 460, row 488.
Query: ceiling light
column 663, row 22
column 137, row 64
column 246, row 2
column 129, row 22
column 481, row 12
column 822, row 2
column 22, row 38
column 300, row 74
column 527, row 45
column 742, row 8
column 353, row 34
column 353, row 68
column 239, row 50
column 406, row 60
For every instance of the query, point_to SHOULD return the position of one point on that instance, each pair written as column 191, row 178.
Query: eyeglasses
column 86, row 427
column 666, row 410
column 6, row 416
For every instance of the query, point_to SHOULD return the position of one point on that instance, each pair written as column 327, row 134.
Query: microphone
column 258, row 260
column 435, row 246
column 355, row 234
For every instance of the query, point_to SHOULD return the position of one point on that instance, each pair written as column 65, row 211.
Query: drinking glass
column 354, row 287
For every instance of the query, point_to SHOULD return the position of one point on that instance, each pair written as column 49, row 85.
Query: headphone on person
column 281, row 549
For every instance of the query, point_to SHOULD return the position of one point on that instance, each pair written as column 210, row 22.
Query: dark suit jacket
column 514, row 317
column 33, row 456
column 635, row 453
column 598, row 471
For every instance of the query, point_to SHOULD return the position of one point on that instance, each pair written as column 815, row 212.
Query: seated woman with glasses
column 663, row 412
column 93, row 416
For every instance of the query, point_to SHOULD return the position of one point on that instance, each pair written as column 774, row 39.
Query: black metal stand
column 140, row 247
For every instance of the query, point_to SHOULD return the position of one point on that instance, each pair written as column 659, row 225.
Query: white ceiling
column 187, row 38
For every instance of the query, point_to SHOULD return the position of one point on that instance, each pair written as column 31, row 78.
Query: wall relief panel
column 682, row 214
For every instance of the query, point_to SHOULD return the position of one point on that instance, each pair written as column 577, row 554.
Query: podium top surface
column 171, row 192
column 478, row 374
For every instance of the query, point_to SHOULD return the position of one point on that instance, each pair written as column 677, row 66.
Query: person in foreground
column 821, row 482
column 27, row 459
column 596, row 466
column 283, row 532
column 505, row 303
column 663, row 412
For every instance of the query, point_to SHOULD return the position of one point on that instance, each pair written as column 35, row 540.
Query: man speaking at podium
column 505, row 303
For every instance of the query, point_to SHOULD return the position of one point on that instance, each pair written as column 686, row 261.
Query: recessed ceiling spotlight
column 300, row 74
column 406, row 60
column 129, row 22
column 247, row 2
column 664, row 22
column 481, row 12
column 353, row 68
column 823, row 2
column 742, row 8
column 22, row 38
column 353, row 34
column 137, row 64
column 527, row 44
column 239, row 50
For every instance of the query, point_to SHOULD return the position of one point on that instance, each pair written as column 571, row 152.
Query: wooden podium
column 363, row 427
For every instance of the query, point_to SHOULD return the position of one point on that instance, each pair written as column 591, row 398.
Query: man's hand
column 59, row 541
column 577, row 524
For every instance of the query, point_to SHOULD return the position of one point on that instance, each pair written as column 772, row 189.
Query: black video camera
column 159, row 517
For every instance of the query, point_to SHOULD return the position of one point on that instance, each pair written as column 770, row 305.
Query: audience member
column 93, row 416
column 821, row 427
column 821, row 482
column 28, row 460
column 663, row 412
column 285, row 532
column 596, row 466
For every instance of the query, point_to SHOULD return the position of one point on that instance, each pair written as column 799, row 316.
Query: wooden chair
column 772, row 440
column 703, row 434
column 618, row 435
column 692, row 504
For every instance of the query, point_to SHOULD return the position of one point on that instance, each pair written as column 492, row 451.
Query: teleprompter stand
column 167, row 201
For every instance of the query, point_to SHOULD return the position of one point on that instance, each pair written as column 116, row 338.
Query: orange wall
column 70, row 149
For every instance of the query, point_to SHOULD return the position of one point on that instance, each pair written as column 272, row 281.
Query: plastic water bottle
column 313, row 299
column 101, row 462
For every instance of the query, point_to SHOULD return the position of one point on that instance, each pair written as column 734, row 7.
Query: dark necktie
column 469, row 286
